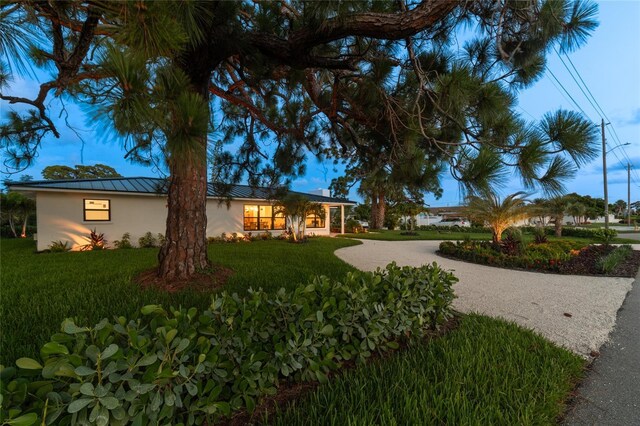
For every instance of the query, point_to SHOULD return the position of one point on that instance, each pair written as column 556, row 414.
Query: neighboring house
column 68, row 210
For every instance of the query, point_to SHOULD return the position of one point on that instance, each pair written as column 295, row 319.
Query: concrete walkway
column 610, row 395
column 576, row 312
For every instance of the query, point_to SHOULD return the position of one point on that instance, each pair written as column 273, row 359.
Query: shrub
column 59, row 246
column 147, row 241
column 184, row 367
column 266, row 235
column 539, row 235
column 466, row 229
column 605, row 235
column 96, row 241
column 608, row 263
column 512, row 243
column 124, row 242
column 353, row 226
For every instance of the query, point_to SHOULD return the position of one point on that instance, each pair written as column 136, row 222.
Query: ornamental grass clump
column 608, row 263
column 181, row 366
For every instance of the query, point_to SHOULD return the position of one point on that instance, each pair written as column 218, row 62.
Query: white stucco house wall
column 67, row 210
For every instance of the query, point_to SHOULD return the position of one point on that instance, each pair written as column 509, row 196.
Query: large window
column 97, row 210
column 259, row 218
column 315, row 221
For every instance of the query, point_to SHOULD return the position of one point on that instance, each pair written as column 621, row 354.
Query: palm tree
column 296, row 208
column 556, row 207
column 577, row 210
column 499, row 215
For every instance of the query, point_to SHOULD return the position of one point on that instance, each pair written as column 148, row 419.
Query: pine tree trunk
column 184, row 252
column 382, row 208
column 377, row 210
column 185, row 249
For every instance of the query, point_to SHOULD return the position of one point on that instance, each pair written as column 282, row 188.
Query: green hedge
column 466, row 229
column 181, row 366
column 569, row 231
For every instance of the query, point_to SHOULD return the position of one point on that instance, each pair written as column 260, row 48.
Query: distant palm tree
column 499, row 215
column 296, row 208
column 556, row 208
column 577, row 210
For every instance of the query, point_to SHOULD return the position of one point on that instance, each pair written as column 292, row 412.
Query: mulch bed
column 212, row 279
column 585, row 263
column 291, row 391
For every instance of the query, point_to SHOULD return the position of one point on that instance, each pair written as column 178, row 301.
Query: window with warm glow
column 314, row 221
column 97, row 210
column 262, row 218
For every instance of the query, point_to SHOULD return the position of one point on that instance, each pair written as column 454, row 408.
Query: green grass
column 40, row 290
column 485, row 372
column 386, row 235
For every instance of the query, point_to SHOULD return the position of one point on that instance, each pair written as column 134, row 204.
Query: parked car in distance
column 462, row 223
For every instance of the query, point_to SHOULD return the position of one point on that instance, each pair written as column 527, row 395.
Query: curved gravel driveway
column 576, row 312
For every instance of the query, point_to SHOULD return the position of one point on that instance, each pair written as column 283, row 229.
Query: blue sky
column 609, row 64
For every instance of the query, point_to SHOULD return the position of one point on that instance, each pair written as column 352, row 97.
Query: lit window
column 314, row 221
column 262, row 218
column 97, row 210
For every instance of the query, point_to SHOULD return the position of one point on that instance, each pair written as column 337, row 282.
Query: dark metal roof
column 147, row 185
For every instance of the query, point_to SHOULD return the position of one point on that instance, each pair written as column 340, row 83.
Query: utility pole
column 628, row 194
column 604, row 175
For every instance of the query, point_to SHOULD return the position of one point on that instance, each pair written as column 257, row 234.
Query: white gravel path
column 533, row 300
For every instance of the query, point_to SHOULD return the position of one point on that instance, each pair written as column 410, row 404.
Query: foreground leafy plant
column 609, row 262
column 179, row 366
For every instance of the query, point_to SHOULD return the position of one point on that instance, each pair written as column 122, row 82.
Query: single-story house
column 67, row 210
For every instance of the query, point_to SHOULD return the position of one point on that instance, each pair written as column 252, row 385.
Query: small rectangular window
column 97, row 210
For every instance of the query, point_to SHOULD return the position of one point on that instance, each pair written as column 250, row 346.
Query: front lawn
column 40, row 290
column 485, row 372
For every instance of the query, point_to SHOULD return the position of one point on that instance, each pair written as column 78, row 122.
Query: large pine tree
column 298, row 75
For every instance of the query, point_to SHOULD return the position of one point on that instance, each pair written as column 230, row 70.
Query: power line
column 595, row 104
column 568, row 94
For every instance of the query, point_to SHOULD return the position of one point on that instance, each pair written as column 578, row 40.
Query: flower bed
column 181, row 366
column 564, row 257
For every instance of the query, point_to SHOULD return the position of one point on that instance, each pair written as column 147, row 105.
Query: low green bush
column 59, row 246
column 605, row 235
column 466, row 229
column 184, row 367
column 570, row 231
column 124, row 242
column 147, row 241
column 609, row 262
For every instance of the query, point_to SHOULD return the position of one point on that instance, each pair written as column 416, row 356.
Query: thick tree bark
column 378, row 208
column 185, row 249
column 184, row 252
